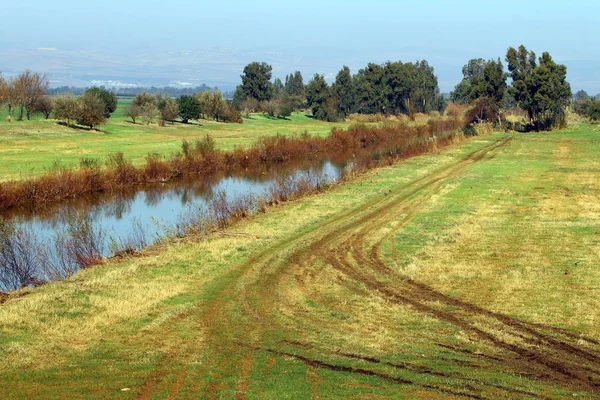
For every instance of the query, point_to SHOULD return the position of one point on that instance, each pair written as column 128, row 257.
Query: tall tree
column 319, row 99
column 540, row 89
column 370, row 95
column 343, row 90
column 484, row 87
column 467, row 90
column 277, row 88
column 238, row 98
column 294, row 84
column 256, row 81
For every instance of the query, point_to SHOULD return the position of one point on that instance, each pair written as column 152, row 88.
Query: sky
column 119, row 37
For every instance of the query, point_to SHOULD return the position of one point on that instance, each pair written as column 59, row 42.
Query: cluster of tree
column 539, row 87
column 587, row 106
column 484, row 88
column 25, row 92
column 134, row 91
column 258, row 94
column 205, row 105
column 390, row 88
column 92, row 108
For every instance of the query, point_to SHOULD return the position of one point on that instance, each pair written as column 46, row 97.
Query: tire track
column 351, row 243
column 532, row 350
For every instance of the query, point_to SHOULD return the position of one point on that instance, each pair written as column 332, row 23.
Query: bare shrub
column 132, row 242
column 79, row 245
column 19, row 258
column 121, row 168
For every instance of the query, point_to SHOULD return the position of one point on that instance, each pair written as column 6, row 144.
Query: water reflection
column 155, row 209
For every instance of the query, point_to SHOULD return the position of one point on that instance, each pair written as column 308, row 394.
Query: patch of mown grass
column 30, row 148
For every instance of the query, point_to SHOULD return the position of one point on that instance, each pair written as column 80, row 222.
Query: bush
column 109, row 99
column 91, row 110
column 594, row 110
column 230, row 114
column 481, row 110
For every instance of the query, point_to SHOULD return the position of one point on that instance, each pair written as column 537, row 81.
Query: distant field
column 470, row 273
column 30, row 148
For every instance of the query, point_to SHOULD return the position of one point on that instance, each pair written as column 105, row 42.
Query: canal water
column 136, row 218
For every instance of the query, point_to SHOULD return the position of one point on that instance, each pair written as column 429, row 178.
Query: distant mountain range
column 222, row 67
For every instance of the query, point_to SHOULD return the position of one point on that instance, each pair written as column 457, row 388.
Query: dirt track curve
column 242, row 320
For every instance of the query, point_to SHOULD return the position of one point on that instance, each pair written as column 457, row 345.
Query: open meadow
column 471, row 272
column 32, row 148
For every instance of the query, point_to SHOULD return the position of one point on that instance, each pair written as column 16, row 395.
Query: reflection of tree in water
column 119, row 206
column 153, row 197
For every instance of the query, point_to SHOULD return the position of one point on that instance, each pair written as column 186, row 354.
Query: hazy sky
column 446, row 33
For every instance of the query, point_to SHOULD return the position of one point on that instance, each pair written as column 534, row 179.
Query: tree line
column 28, row 93
column 134, row 91
column 390, row 88
column 538, row 86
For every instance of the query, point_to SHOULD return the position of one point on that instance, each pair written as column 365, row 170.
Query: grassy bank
column 204, row 161
column 31, row 148
column 468, row 273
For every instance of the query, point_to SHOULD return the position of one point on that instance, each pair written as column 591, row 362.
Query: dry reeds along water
column 53, row 242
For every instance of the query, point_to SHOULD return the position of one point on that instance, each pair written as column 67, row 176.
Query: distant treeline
column 537, row 92
column 134, row 91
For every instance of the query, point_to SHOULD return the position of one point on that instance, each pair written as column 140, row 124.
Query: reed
column 204, row 161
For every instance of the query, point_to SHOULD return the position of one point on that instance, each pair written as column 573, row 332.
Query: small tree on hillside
column 11, row 98
column 91, row 110
column 44, row 105
column 132, row 111
column 3, row 90
column 189, row 108
column 169, row 111
column 148, row 113
column 145, row 98
column 66, row 107
column 108, row 98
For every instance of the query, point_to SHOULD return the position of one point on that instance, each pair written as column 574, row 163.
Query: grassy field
column 30, row 148
column 471, row 273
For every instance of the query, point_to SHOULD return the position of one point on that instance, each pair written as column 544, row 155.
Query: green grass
column 498, row 235
column 30, row 148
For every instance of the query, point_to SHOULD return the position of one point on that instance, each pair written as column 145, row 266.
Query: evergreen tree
column 189, row 108
column 256, row 81
column 319, row 99
column 540, row 89
column 343, row 90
